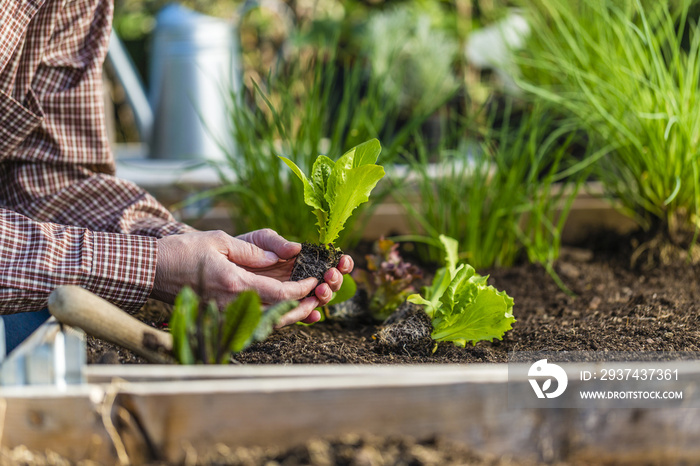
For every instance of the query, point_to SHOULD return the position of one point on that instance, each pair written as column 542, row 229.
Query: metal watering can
column 195, row 62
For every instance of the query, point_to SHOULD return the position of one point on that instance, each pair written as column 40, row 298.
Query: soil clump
column 407, row 330
column 314, row 260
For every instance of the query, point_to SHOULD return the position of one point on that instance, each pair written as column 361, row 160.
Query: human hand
column 226, row 266
column 269, row 240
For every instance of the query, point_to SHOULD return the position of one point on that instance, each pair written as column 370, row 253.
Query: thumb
column 249, row 255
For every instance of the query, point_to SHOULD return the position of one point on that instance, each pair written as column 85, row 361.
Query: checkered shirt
column 64, row 217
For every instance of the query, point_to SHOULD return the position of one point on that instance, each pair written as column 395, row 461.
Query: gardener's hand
column 268, row 240
column 219, row 267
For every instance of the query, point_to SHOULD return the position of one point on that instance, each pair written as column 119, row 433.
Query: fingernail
column 271, row 256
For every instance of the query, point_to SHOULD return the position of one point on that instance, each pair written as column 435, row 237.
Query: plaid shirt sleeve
column 37, row 257
column 64, row 219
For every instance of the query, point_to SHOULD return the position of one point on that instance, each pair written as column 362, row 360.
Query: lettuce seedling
column 334, row 190
column 462, row 307
column 203, row 334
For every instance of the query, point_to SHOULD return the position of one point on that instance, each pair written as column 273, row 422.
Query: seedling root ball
column 406, row 331
column 314, row 260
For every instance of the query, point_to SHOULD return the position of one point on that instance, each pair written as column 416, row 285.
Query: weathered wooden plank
column 290, row 411
column 468, row 408
column 258, row 406
column 67, row 422
column 154, row 373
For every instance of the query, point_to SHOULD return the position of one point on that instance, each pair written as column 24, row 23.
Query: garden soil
column 349, row 449
column 614, row 307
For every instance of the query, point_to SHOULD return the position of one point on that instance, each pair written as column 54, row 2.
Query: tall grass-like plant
column 627, row 72
column 315, row 104
column 501, row 198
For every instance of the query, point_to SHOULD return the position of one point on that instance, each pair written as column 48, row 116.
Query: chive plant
column 508, row 195
column 626, row 72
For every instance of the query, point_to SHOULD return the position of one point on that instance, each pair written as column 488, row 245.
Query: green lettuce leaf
column 451, row 247
column 335, row 189
column 462, row 306
column 313, row 196
column 443, row 277
column 472, row 311
column 346, row 191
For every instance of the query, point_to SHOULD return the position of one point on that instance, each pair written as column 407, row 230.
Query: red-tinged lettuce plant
column 388, row 279
column 334, row 190
column 203, row 334
column 462, row 306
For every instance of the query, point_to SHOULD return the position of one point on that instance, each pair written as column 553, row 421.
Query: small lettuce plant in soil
column 462, row 307
column 459, row 306
column 334, row 190
column 204, row 334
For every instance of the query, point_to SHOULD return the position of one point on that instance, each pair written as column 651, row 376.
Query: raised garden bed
column 615, row 308
column 410, row 401
column 184, row 414
column 390, row 405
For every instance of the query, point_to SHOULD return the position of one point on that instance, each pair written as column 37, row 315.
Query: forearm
column 36, row 257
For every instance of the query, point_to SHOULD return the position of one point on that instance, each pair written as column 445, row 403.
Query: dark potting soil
column 615, row 308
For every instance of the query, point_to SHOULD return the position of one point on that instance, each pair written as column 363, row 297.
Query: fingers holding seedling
column 269, row 240
column 313, row 317
column 272, row 290
column 345, row 264
column 323, row 293
column 305, row 312
column 333, row 278
column 261, row 260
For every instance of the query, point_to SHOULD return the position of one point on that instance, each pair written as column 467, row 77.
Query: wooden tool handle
column 78, row 307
